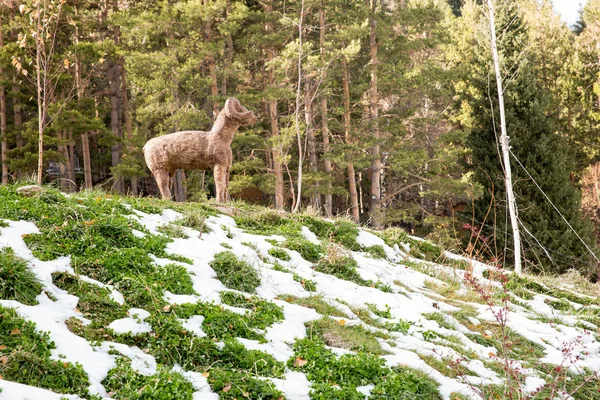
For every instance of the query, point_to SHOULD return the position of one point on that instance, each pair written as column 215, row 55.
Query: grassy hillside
column 109, row 297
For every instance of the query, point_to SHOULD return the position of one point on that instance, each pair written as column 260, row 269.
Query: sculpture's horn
column 234, row 109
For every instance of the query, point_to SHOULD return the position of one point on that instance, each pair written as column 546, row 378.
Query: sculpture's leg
column 162, row 180
column 220, row 173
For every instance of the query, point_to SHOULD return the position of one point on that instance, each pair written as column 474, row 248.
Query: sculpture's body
column 198, row 150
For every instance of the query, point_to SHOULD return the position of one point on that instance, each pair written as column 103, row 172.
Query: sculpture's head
column 236, row 111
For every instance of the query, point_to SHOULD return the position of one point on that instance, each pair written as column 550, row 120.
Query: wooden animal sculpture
column 198, row 150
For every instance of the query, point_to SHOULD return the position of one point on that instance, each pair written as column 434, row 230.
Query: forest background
column 384, row 111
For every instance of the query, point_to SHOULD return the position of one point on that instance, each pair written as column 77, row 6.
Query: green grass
column 240, row 385
column 279, row 253
column 376, row 251
column 94, row 304
column 234, row 273
column 307, row 284
column 307, row 249
column 343, row 267
column 173, row 231
column 337, row 334
column 127, row 384
column 315, row 302
column 26, row 358
column 17, row 282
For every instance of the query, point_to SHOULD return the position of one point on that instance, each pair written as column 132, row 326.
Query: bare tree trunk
column 87, row 162
column 115, row 106
column 127, row 117
column 71, row 183
column 41, row 95
column 228, row 55
column 375, row 153
column 297, row 111
column 277, row 146
column 512, row 205
column 180, row 186
column 354, row 210
column 3, row 127
column 212, row 69
column 324, row 123
column 315, row 200
column 64, row 159
column 85, row 142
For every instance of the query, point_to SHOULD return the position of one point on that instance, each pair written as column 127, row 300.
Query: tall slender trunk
column 71, row 183
column 504, row 141
column 3, row 127
column 324, row 114
column 180, row 189
column 85, row 142
column 115, row 105
column 128, row 122
column 375, row 151
column 212, row 68
column 64, row 159
column 354, row 210
column 41, row 94
column 16, row 93
column 297, row 111
column 311, row 144
column 276, row 150
column 228, row 60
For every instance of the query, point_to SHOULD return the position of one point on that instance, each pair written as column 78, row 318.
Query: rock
column 30, row 190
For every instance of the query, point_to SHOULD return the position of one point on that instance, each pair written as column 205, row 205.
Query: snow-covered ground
column 408, row 302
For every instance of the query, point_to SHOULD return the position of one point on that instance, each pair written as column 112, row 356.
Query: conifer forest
column 383, row 111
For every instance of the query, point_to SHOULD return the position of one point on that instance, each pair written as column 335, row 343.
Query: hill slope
column 105, row 297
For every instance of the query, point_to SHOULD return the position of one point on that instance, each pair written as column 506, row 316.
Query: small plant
column 307, row 284
column 279, row 253
column 225, row 245
column 376, row 251
column 195, row 219
column 315, row 302
column 338, row 334
column 308, row 250
column 386, row 313
column 234, row 273
column 342, row 266
column 127, row 384
column 174, row 231
column 17, row 282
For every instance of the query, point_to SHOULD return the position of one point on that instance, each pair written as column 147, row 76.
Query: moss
column 234, row 273
column 17, row 282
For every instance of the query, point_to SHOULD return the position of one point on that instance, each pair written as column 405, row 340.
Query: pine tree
column 550, row 244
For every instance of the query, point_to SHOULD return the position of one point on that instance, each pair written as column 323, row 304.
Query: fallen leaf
column 166, row 308
column 300, row 362
column 2, row 347
column 146, row 351
column 281, row 398
column 4, row 360
column 492, row 355
column 227, row 388
column 206, row 374
column 15, row 332
column 342, row 322
column 246, row 394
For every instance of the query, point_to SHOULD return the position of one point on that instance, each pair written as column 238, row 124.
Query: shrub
column 308, row 250
column 279, row 253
